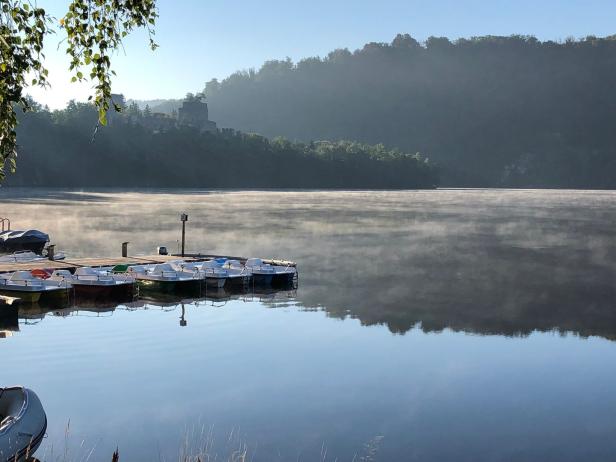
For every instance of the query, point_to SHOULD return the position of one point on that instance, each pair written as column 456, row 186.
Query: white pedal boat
column 23, row 424
column 30, row 289
column 91, row 283
column 164, row 277
column 266, row 274
column 210, row 271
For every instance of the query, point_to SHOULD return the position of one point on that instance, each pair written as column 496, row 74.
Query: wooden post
column 125, row 249
column 184, row 219
column 51, row 251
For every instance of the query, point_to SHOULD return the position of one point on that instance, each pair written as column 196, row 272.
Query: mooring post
column 125, row 249
column 184, row 219
column 51, row 251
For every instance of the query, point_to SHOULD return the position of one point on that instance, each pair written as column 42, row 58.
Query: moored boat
column 239, row 275
column 30, row 289
column 164, row 278
column 262, row 273
column 91, row 284
column 23, row 424
column 29, row 240
column 267, row 274
column 209, row 271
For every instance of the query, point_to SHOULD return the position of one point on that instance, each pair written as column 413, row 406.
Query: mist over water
column 478, row 325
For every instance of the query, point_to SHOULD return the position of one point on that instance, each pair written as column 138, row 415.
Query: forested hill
column 57, row 149
column 492, row 111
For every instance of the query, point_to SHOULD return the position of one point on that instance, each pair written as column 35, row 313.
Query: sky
column 204, row 39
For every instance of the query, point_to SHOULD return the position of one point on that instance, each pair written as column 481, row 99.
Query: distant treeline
column 61, row 149
column 491, row 111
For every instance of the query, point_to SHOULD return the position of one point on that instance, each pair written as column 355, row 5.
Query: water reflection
column 8, row 321
column 217, row 298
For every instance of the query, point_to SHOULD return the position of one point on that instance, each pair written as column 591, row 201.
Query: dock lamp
column 184, row 219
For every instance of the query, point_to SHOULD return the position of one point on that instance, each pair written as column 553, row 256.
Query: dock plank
column 107, row 261
column 9, row 267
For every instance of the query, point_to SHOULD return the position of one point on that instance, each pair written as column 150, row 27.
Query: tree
column 94, row 29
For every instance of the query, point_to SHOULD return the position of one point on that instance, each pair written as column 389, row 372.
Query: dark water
column 441, row 325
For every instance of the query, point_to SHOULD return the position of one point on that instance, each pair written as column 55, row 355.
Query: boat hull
column 238, row 281
column 217, row 283
column 60, row 296
column 169, row 287
column 116, row 292
column 283, row 279
column 262, row 279
column 24, row 297
column 36, row 247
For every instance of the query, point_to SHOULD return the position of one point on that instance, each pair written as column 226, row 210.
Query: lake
column 447, row 325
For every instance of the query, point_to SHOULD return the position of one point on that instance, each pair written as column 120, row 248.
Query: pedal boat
column 30, row 289
column 91, row 284
column 164, row 278
column 266, row 274
column 210, row 271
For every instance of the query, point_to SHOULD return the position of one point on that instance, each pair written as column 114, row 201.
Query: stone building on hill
column 194, row 113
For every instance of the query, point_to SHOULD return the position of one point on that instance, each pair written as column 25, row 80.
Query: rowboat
column 23, row 424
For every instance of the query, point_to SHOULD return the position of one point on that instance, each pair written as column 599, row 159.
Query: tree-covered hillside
column 492, row 111
column 57, row 149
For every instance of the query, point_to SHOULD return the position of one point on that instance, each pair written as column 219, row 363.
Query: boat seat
column 40, row 273
column 62, row 274
column 5, row 420
column 254, row 262
column 119, row 269
column 11, row 402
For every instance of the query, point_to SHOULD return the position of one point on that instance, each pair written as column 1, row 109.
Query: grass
column 198, row 444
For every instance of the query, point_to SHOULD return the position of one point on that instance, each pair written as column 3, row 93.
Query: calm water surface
column 440, row 325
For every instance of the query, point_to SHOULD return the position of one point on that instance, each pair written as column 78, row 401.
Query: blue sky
column 203, row 39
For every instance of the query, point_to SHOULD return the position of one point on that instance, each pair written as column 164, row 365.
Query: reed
column 199, row 444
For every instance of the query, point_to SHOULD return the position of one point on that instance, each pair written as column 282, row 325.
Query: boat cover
column 30, row 235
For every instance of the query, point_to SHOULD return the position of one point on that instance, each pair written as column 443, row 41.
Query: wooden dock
column 72, row 264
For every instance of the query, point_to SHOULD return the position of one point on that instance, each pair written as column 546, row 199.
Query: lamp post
column 184, row 219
